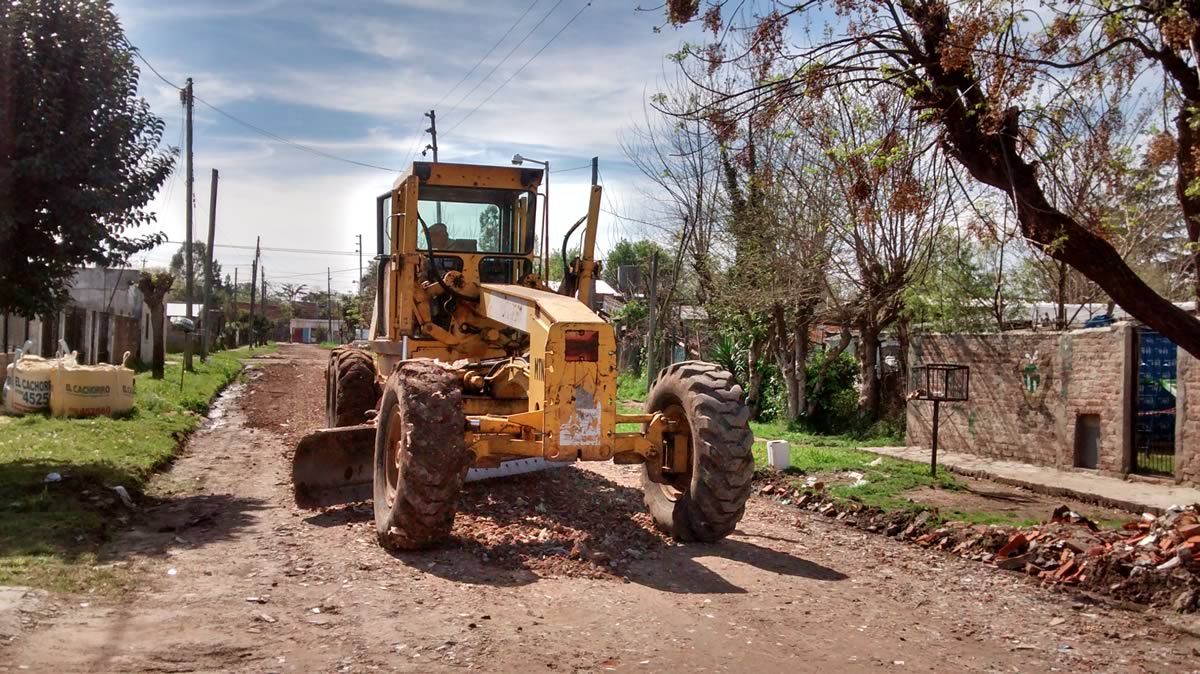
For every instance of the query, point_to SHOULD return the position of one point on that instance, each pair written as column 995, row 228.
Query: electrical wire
column 523, row 65
column 279, row 250
column 288, row 141
column 489, row 53
column 506, row 57
column 257, row 129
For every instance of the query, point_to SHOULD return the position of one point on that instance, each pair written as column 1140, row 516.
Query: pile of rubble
column 1153, row 560
column 562, row 522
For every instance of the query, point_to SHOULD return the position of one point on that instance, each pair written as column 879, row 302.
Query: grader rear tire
column 350, row 387
column 707, row 502
column 420, row 456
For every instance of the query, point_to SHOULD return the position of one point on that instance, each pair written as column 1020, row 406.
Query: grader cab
column 474, row 361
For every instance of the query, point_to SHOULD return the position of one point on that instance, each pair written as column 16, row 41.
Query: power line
column 489, row 53
column 258, row 129
column 506, row 57
column 279, row 250
column 287, row 141
column 408, row 157
column 523, row 65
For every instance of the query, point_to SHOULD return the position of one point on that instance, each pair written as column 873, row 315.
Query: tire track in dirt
column 262, row 586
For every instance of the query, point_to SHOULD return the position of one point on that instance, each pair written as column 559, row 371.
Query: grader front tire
column 420, row 456
column 350, row 387
column 707, row 502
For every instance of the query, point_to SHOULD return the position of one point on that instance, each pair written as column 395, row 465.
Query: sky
column 353, row 79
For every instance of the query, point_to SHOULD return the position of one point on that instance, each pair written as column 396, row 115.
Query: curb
column 1045, row 489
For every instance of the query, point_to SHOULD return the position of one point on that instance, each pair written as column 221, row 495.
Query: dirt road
column 235, row 578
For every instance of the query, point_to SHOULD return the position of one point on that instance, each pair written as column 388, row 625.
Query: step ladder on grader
column 475, row 363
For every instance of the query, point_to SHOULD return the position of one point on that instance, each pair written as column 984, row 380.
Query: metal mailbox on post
column 940, row 382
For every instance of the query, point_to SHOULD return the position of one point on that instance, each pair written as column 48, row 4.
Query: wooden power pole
column 329, row 303
column 186, row 96
column 206, row 312
column 253, row 288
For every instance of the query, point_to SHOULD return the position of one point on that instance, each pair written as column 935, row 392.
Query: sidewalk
column 1081, row 485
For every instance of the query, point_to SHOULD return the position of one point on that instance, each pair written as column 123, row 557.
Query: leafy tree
column 178, row 269
column 636, row 253
column 958, row 292
column 558, row 265
column 79, row 149
column 489, row 228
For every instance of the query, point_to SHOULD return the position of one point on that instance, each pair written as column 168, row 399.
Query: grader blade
column 334, row 466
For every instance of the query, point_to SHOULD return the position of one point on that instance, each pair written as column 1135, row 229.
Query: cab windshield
column 474, row 220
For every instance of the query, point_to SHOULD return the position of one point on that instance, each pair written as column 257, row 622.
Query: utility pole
column 360, row 281
column 208, row 265
column 253, row 289
column 186, row 97
column 329, row 303
column 237, row 338
column 651, row 368
column 262, row 297
column 432, row 131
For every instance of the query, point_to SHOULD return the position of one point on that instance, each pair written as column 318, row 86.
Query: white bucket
column 779, row 455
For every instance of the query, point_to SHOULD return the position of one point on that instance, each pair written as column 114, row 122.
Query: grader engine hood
column 573, row 370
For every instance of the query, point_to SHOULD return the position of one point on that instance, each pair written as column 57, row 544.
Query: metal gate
column 1154, row 405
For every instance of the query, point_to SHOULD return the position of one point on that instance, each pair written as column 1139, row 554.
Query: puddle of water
column 220, row 408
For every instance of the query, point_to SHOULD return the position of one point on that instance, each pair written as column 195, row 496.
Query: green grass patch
column 50, row 531
column 888, row 482
column 631, row 386
column 330, row 345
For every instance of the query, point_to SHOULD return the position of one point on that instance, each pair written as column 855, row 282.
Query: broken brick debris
column 1151, row 560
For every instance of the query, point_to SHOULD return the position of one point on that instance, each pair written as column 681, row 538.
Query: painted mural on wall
column 1036, row 373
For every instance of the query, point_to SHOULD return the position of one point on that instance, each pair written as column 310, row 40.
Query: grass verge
column 50, row 532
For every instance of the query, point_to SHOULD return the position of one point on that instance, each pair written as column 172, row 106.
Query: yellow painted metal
column 569, row 405
column 588, row 254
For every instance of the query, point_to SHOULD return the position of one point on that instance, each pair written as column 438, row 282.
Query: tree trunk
column 798, row 403
column 784, row 358
column 819, row 384
column 1061, row 320
column 158, row 357
column 754, row 376
column 868, row 402
column 1189, row 172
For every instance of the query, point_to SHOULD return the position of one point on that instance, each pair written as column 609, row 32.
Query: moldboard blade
column 334, row 466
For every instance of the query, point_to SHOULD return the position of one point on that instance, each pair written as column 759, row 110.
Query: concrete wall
column 1027, row 392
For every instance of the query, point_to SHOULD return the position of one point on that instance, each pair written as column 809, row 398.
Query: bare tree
column 154, row 289
column 991, row 83
column 893, row 186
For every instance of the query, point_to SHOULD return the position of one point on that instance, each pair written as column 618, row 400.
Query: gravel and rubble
column 1151, row 560
column 564, row 522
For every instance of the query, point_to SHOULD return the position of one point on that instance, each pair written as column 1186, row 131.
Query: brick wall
column 1079, row 372
column 1096, row 372
column 1187, row 419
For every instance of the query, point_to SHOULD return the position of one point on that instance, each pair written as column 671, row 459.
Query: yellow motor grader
column 473, row 360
